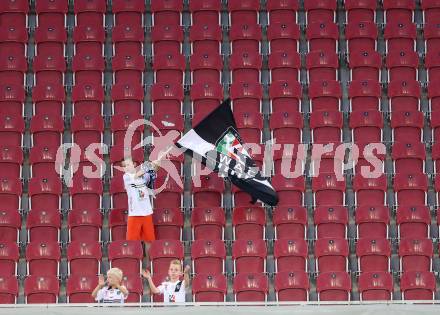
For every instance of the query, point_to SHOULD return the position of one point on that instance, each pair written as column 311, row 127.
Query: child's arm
column 100, row 285
column 186, row 276
column 147, row 275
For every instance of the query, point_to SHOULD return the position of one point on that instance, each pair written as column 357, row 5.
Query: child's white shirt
column 167, row 288
column 110, row 295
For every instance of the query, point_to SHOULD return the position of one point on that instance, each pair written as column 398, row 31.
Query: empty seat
column 162, row 252
column 431, row 33
column 249, row 256
column 361, row 36
column 166, row 13
column 284, row 65
column 291, row 286
column 43, row 258
column 10, row 225
column 370, row 191
column 282, row 11
column 12, row 69
column 360, row 10
column 404, row 95
column 365, row 65
column 371, row 158
column 208, row 192
column 245, row 66
column 48, row 99
column 166, row 98
column 118, row 194
column 171, row 196
column 331, row 221
column 209, row 287
column 41, row 289
column 87, row 99
column 79, row 288
column 11, row 129
column 8, row 289
column 128, row 12
column 87, row 130
column 121, row 123
column 400, row 36
column 322, row 36
column 9, row 256
column 12, row 100
column 328, row 190
column 431, row 11
column 290, row 222
column 243, row 11
column 416, row 254
column 373, row 254
column 134, row 285
column 325, row 95
column 11, row 160
column 366, row 126
column 169, row 68
column 50, row 39
column 14, row 13
column 43, row 225
column 10, row 193
column 333, row 286
column 206, row 68
column 126, row 255
column 205, row 12
column 418, row 285
column 290, row 161
column 436, row 157
column 245, row 37
column 127, row 98
column 42, row 159
column 84, row 258
column 168, row 223
column 86, row 193
column 88, row 76
column 408, row 157
column 434, row 98
column 286, row 127
column 402, row 65
column 167, row 38
column 413, row 221
column 205, row 97
column 320, row 11
column 249, row 126
column 326, row 126
column 50, row 11
column 290, row 255
column 205, row 37
column 49, row 69
column 331, row 254
column 375, row 286
column 283, row 36
column 399, row 11
column 84, row 224
column 407, row 126
column 290, row 190
column 45, row 193
column 249, row 287
column 128, row 68
column 246, row 97
column 88, row 42
column 128, row 40
column 432, row 65
column 322, row 66
column 410, row 189
column 207, row 223
column 117, row 222
column 248, row 223
column 14, row 40
column 46, row 130
column 208, row 255
column 89, row 12
column 372, row 220
column 285, row 96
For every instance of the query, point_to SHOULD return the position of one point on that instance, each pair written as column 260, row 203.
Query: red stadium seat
column 126, row 255
column 205, row 37
column 14, row 13
column 431, row 11
column 285, row 96
column 320, row 11
column 372, row 220
column 404, row 95
column 87, row 130
column 8, row 290
column 249, row 223
column 86, row 193
column 41, row 289
column 50, row 39
column 14, row 40
column 436, row 157
column 120, row 124
column 250, row 287
column 48, row 99
column 283, row 36
column 249, row 256
column 168, row 223
column 208, row 192
column 290, row 255
column 10, row 225
column 322, row 66
column 375, row 286
column 158, row 279
column 45, row 193
column 333, row 286
column 209, row 288
column 49, row 69
column 89, row 12
column 292, row 286
column 282, row 11
column 365, row 66
column 370, row 154
column 407, row 126
column 128, row 12
column 167, row 13
column 243, row 11
column 418, row 285
column 361, row 36
column 322, row 36
column 128, row 68
column 42, row 159
column 208, row 223
column 431, row 33
column 43, row 258
column 205, row 12
column 88, row 40
column 208, row 255
column 51, row 11
column 117, row 191
column 84, row 258
column 12, row 69
column 46, row 130
column 128, row 40
column 331, row 254
column 249, row 126
column 366, row 126
column 399, row 11
column 413, row 222
column 127, row 98
column 331, row 221
column 87, row 99
column 326, row 126
column 290, row 222
column 43, row 225
column 134, row 285
column 11, row 129
column 9, row 256
column 11, row 160
column 290, row 190
column 290, row 159
column 284, row 65
column 169, row 68
column 325, row 95
column 10, row 193
column 373, row 254
column 205, row 97
column 79, row 288
column 402, row 65
column 246, row 97
column 434, row 98
column 84, row 224
column 171, row 196
column 88, row 68
column 11, row 100
column 328, row 190
column 205, row 68
column 416, row 254
column 118, row 224
column 167, row 38
column 432, row 65
column 410, row 189
column 162, row 252
column 167, row 98
column 245, row 37
column 408, row 157
column 400, row 36
column 245, row 66
column 370, row 191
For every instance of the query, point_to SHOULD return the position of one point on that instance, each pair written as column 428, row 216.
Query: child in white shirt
column 111, row 291
column 173, row 290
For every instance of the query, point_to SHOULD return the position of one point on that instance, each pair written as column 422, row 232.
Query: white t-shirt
column 167, row 288
column 110, row 295
column 139, row 203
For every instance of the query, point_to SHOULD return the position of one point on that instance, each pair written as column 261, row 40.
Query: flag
column 216, row 141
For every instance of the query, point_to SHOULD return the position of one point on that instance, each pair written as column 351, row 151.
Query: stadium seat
column 290, row 255
column 128, row 68
column 79, row 288
column 322, row 36
column 41, row 289
column 320, row 11
column 208, row 223
column 9, row 256
column 205, row 37
column 14, row 40
column 436, row 157
column 45, row 193
column 328, row 190
column 117, row 222
column 246, row 97
column 361, row 36
column 51, row 11
column 166, row 98
column 50, row 39
column 250, row 287
column 248, row 223
column 88, row 68
column 284, row 65
column 399, row 11
column 8, row 289
column 10, row 225
column 206, row 69
column 89, row 12
column 48, row 99
column 282, row 11
column 162, row 252
column 158, row 279
column 434, row 98
column 84, row 224
column 290, row 222
column 373, row 254
column 169, row 68
column 432, row 65
column 431, row 33
column 249, row 126
column 128, row 12
column 290, row 190
column 43, row 258
column 413, row 222
column 431, row 11
column 87, row 99
column 167, row 38
column 402, row 65
column 208, row 255
column 359, row 11
column 415, row 254
column 118, row 194
column 12, row 69
column 370, row 191
column 11, row 100
column 205, row 97
column 291, row 286
column 171, row 195
column 43, row 225
column 404, row 95
column 245, row 36
column 407, row 126
column 166, row 13
column 11, row 160
column 87, row 130
column 375, row 286
column 120, row 124
column 418, row 285
column 372, row 220
column 209, row 287
column 134, row 285
column 126, row 255
column 12, row 130
column 10, row 193
column 168, row 223
column 285, row 96
column 128, row 40
column 208, row 192
column 410, row 189
column 331, row 254
column 326, row 126
column 371, row 158
column 290, row 158
column 331, row 221
column 365, row 66
column 49, row 69
column 400, row 36
column 205, row 12
column 283, row 36
column 322, row 66
column 14, row 13
column 333, row 286
column 88, row 45
column 84, row 258
column 243, row 11
column 249, row 256
column 366, row 126
column 325, row 95
column 46, row 131
column 86, row 193
column 245, row 66
column 408, row 157
column 127, row 98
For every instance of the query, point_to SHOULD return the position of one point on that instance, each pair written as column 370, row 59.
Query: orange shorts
column 140, row 228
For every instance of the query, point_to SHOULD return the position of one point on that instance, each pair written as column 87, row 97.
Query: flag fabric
column 217, row 143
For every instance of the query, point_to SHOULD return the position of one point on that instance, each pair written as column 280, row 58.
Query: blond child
column 111, row 291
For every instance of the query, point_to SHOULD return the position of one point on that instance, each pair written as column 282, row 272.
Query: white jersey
column 168, row 289
column 139, row 203
column 110, row 295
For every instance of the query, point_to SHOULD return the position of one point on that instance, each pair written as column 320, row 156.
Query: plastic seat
column 248, row 223
column 158, row 279
column 42, row 160
column 51, row 11
column 371, row 158
column 208, row 223
column 407, row 126
column 49, row 69
column 322, row 36
column 46, row 130
column 366, row 126
column 89, row 12
column 290, row 190
column 418, row 285
column 206, row 68
column 12, row 100
column 88, row 39
column 127, row 98
column 432, row 65
column 292, row 286
column 322, row 66
column 43, row 258
column 290, row 255
column 372, row 220
column 373, row 254
column 84, row 224
column 43, row 225
column 41, row 289
column 400, row 36
column 326, row 158
column 127, row 40
column 284, row 65
column 167, row 38
column 282, row 11
column 285, row 97
column 171, row 196
column 118, row 193
column 163, row 122
column 167, row 98
column 14, row 40
column 168, row 223
column 283, row 36
column 8, row 290
column 399, row 11
column 45, row 193
column 167, row 13
column 331, row 221
column 10, row 193
column 408, row 157
column 375, row 286
column 11, row 160
column 87, row 130
column 79, row 288
column 9, row 256
column 290, row 161
column 290, row 222
column 162, row 252
column 48, row 99
column 365, row 66
column 128, row 68
column 333, row 286
column 434, row 98
column 209, row 287
column 431, row 33
column 11, row 129
column 250, row 287
column 320, row 11
column 118, row 224
column 243, row 11
column 128, row 12
column 50, row 39
column 410, row 189
column 208, row 255
column 14, row 13
column 245, row 66
column 208, row 192
column 120, row 124
column 413, row 222
column 126, row 255
column 326, row 126
column 249, row 255
column 249, row 126
column 361, row 36
column 86, row 193
column 205, row 97
column 205, row 12
column 88, row 76
column 436, row 157
column 12, row 69
column 84, row 258
column 205, row 36
column 246, row 97
column 10, row 225
column 404, row 95
column 87, row 99
column 325, row 95
column 331, row 254
column 416, row 254
column 134, row 285
column 431, row 11
column 370, row 191
column 245, row 37
column 169, row 68
column 402, row 65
